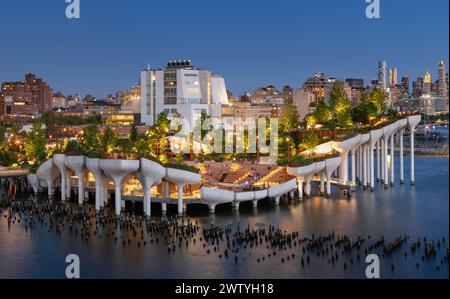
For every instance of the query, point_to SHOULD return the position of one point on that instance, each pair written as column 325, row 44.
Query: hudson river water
column 418, row 211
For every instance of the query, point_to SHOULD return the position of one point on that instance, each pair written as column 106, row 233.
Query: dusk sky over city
column 249, row 43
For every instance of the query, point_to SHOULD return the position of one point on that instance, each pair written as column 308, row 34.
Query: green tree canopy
column 341, row 105
column 309, row 142
column 108, row 140
column 91, row 139
column 323, row 114
column 289, row 118
column 35, row 143
column 133, row 133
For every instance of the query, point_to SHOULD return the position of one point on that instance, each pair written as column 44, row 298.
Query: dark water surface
column 418, row 211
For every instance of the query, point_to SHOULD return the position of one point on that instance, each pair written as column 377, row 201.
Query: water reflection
column 419, row 211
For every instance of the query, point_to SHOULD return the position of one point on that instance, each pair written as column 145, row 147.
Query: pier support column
column 322, row 183
column 98, row 192
column 364, row 166
column 382, row 160
column 63, row 183
column 212, row 208
column 386, row 174
column 255, row 203
column 378, row 160
column 165, row 187
column 68, row 184
column 105, row 192
column 180, row 199
column 147, row 202
column 371, row 168
column 353, row 168
column 236, row 205
column 359, row 166
column 346, row 168
column 412, row 154
column 80, row 188
column 86, row 185
column 118, row 197
column 277, row 200
column 308, row 186
column 392, row 159
column 368, row 165
column 49, row 188
column 402, row 175
column 329, row 184
column 300, row 187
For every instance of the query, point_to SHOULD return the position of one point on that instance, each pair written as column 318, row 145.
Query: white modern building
column 181, row 88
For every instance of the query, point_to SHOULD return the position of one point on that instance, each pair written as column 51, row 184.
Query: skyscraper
column 427, row 83
column 382, row 74
column 418, row 87
column 405, row 84
column 442, row 81
column 392, row 78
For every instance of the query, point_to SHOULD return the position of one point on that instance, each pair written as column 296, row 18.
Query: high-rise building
column 442, row 81
column 183, row 89
column 320, row 86
column 405, row 84
column 427, row 83
column 382, row 74
column 418, row 87
column 30, row 97
column 392, row 78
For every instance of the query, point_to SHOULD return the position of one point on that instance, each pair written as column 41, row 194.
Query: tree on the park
column 133, row 133
column 340, row 105
column 91, row 139
column 108, row 141
column 35, row 143
column 323, row 114
column 309, row 142
column 289, row 118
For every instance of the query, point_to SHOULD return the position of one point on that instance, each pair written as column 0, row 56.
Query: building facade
column 180, row 88
column 29, row 97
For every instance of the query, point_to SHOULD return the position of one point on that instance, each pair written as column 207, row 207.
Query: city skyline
column 110, row 58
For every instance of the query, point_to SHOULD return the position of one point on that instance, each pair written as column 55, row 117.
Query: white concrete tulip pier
column 150, row 173
column 117, row 170
column 47, row 173
column 180, row 178
column 363, row 148
column 77, row 164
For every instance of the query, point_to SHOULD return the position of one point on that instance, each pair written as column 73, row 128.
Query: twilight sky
column 251, row 43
